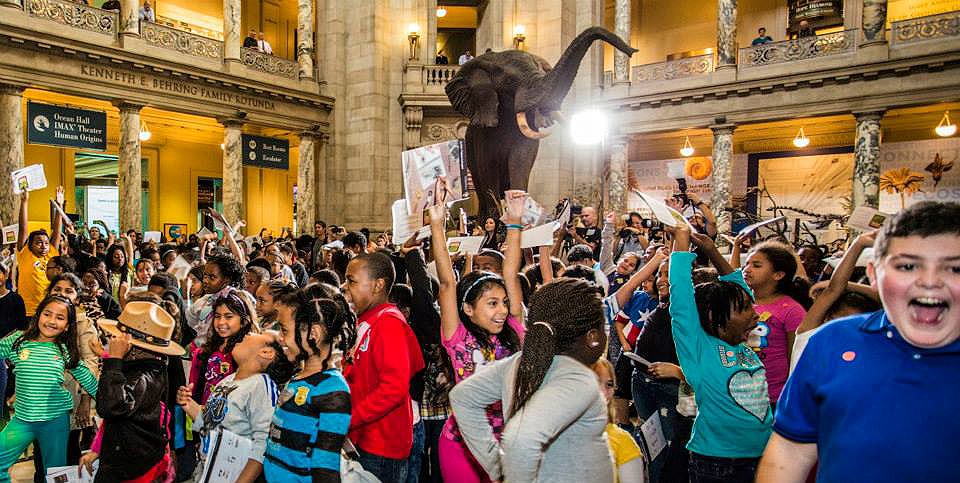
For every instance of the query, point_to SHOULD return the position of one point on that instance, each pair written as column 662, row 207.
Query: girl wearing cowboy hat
column 40, row 355
column 132, row 442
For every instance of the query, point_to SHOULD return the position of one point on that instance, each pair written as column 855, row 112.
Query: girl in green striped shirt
column 40, row 356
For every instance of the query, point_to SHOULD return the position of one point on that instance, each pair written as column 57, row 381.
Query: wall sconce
column 441, row 12
column 145, row 133
column 687, row 149
column 801, row 141
column 414, row 38
column 946, row 129
column 519, row 35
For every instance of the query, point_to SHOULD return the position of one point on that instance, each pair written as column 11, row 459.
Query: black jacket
column 128, row 400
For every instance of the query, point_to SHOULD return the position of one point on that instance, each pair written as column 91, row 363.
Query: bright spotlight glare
column 588, row 127
column 145, row 135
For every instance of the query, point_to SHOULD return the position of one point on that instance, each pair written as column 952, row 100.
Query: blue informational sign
column 264, row 152
column 66, row 126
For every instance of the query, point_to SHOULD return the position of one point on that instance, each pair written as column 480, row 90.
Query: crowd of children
column 616, row 354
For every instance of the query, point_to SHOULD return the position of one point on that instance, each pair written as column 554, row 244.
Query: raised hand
column 515, row 200
column 438, row 214
column 185, row 395
column 60, row 196
column 610, row 217
column 119, row 346
column 703, row 241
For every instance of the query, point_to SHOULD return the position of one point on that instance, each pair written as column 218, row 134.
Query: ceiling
column 459, row 18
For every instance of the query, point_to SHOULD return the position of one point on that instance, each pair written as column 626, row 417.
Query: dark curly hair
column 319, row 303
column 230, row 269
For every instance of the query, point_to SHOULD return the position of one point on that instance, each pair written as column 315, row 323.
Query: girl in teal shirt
column 711, row 324
column 41, row 411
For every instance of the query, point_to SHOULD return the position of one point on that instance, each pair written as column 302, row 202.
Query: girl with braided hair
column 556, row 417
column 480, row 321
column 312, row 417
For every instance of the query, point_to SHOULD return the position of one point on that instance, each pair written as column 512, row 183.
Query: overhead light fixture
column 801, row 141
column 221, row 146
column 519, row 36
column 687, row 149
column 946, row 128
column 441, row 12
column 588, row 127
column 145, row 133
column 414, row 38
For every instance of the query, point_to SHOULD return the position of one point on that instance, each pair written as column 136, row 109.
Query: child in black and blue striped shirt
column 311, row 421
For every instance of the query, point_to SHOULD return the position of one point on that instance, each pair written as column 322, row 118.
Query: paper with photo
column 219, row 222
column 180, row 267
column 533, row 213
column 565, row 213
column 424, row 166
column 11, row 233
column 752, row 228
column 71, row 474
column 467, row 245
column 865, row 218
column 405, row 224
column 666, row 215
column 539, row 236
column 227, row 457
column 30, row 178
column 149, row 236
column 652, row 431
column 204, row 232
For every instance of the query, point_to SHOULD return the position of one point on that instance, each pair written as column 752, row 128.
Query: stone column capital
column 230, row 122
column 127, row 106
column 311, row 134
column 720, row 129
column 862, row 116
column 12, row 89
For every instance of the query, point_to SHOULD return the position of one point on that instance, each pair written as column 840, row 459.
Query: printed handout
column 30, row 178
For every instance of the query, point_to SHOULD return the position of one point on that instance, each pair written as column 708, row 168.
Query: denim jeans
column 416, row 453
column 710, row 469
column 430, row 465
column 387, row 470
column 651, row 395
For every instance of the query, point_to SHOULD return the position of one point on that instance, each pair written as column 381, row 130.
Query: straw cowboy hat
column 149, row 326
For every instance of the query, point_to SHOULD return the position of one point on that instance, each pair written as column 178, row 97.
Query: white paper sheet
column 180, row 267
column 71, row 474
column 30, row 178
column 641, row 360
column 405, row 224
column 538, row 236
column 151, row 236
column 228, row 455
column 865, row 256
column 653, row 435
column 865, row 218
column 467, row 245
column 666, row 215
column 751, row 228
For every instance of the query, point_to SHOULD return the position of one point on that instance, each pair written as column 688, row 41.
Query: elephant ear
column 472, row 93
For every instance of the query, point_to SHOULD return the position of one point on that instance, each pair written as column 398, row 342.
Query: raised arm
column 514, row 254
column 232, row 243
column 708, row 247
column 708, row 216
column 607, row 242
column 737, row 249
column 546, row 264
column 56, row 221
column 127, row 248
column 449, row 316
column 424, row 318
column 24, row 205
column 626, row 290
column 838, row 283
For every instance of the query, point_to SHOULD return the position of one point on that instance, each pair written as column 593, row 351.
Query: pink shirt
column 769, row 339
column 219, row 366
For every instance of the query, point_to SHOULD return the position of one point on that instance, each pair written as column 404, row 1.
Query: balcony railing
column 75, row 15
column 799, row 49
column 921, row 29
column 180, row 41
column 270, row 64
column 438, row 75
column 674, row 69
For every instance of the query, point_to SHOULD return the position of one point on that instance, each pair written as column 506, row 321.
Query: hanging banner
column 66, row 126
column 264, row 152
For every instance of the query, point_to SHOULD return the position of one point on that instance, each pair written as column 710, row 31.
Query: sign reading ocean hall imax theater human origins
column 265, row 152
column 66, row 126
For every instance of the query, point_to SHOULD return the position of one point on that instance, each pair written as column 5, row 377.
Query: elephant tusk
column 525, row 128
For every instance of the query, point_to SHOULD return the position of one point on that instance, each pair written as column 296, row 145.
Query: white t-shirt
column 799, row 344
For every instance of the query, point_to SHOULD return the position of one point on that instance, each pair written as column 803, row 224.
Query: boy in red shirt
column 385, row 358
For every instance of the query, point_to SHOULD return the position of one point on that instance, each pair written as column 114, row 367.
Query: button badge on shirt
column 301, row 396
column 24, row 354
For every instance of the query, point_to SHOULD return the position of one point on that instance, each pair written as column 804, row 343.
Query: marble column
column 874, row 24
column 129, row 18
column 722, row 174
column 621, row 62
column 866, row 160
column 129, row 178
column 232, row 170
column 307, row 182
column 11, row 3
column 429, row 57
column 305, row 42
column 726, row 33
column 232, row 42
column 617, row 174
column 11, row 148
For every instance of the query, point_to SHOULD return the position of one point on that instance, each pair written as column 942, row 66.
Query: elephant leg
column 520, row 162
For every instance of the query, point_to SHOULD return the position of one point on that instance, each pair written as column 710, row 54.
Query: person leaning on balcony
column 805, row 30
column 466, row 57
column 762, row 37
column 441, row 59
column 147, row 13
column 263, row 45
column 111, row 5
column 251, row 39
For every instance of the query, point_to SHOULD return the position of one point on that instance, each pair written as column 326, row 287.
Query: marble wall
column 232, row 171
column 722, row 172
column 866, row 160
column 726, row 33
column 129, row 176
column 11, row 148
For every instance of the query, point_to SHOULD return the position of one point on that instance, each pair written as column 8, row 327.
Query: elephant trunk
column 556, row 83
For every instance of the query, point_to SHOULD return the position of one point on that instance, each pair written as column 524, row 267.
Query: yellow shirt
column 622, row 446
column 32, row 277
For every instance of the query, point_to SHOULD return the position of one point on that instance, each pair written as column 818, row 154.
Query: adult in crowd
column 146, row 12
column 762, row 37
column 250, row 42
column 465, row 57
column 263, row 45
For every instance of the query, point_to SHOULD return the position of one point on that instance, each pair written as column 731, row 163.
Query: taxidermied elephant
column 511, row 98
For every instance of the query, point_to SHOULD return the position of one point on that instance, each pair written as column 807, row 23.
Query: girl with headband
column 481, row 322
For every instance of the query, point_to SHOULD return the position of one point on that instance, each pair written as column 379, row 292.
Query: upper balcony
column 165, row 43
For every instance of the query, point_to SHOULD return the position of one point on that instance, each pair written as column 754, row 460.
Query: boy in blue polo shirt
column 874, row 396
